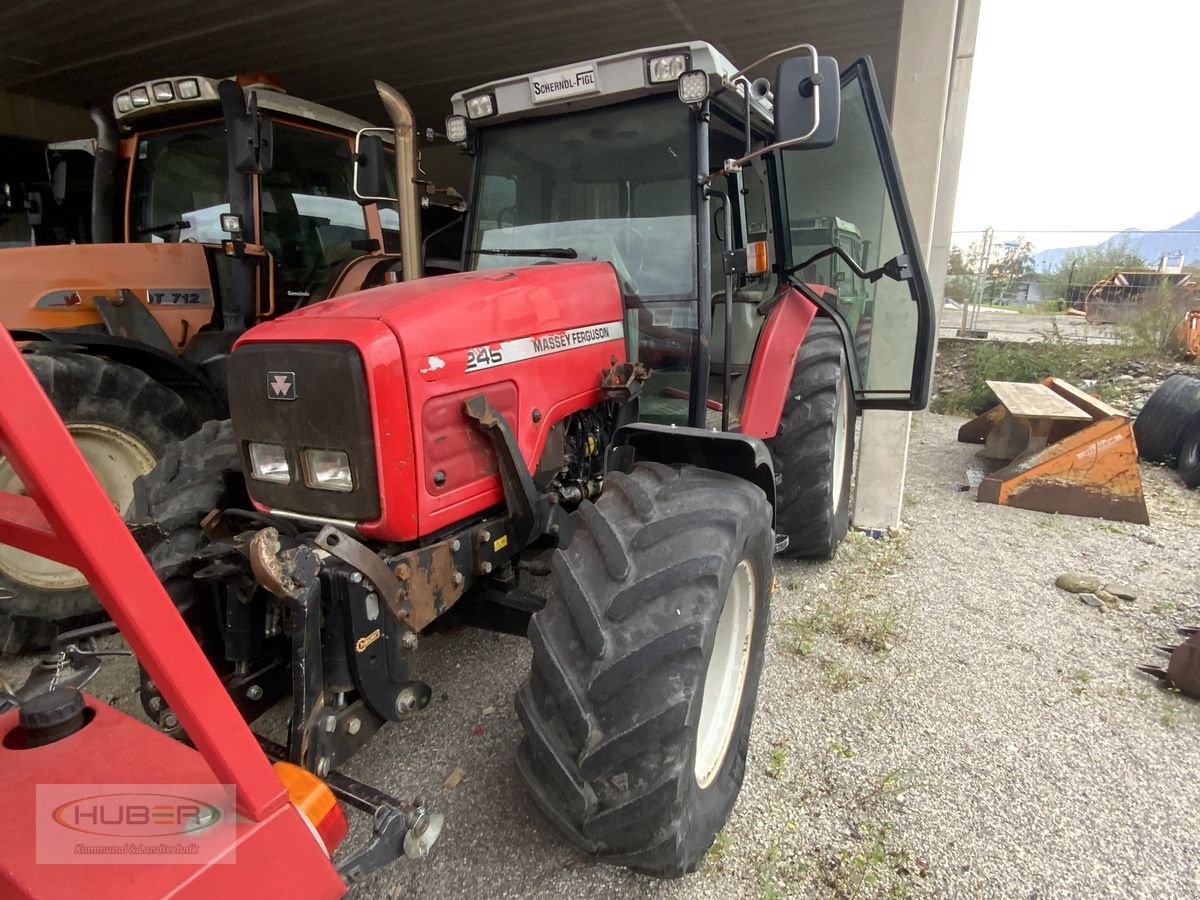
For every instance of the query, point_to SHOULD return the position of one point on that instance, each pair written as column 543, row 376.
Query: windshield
column 609, row 184
column 180, row 186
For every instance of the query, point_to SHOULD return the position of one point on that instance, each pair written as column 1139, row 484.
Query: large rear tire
column 122, row 421
column 1159, row 427
column 646, row 661
column 814, row 447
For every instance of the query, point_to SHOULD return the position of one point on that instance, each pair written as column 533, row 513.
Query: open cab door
column 851, row 232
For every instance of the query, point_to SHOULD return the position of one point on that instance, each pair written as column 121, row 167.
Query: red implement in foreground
column 67, row 517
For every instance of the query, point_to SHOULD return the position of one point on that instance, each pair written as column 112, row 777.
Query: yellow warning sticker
column 500, row 543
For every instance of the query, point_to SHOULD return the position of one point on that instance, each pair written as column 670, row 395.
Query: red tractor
column 600, row 435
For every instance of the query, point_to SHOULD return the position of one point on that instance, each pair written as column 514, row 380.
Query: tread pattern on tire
column 88, row 389
column 196, row 475
column 1160, row 426
column 1189, row 454
column 605, row 710
column 803, row 447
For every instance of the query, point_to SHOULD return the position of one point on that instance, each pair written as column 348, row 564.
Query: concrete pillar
column 927, row 131
column 952, row 143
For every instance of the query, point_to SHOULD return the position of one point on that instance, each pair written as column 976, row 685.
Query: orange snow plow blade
column 1066, row 452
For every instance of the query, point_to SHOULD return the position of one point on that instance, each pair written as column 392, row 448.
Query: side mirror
column 808, row 102
column 370, row 166
column 253, row 141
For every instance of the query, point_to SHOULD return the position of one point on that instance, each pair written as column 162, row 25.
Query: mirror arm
column 897, row 268
column 728, row 81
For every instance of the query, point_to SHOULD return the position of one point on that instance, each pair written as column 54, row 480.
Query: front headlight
column 268, row 462
column 327, row 470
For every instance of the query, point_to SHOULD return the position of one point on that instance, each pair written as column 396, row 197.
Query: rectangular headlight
column 693, row 86
column 456, row 129
column 328, row 470
column 163, row 91
column 480, row 107
column 268, row 462
column 140, row 96
column 188, row 88
column 124, row 103
column 667, row 68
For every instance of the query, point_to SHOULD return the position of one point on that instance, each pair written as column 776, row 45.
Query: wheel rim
column 116, row 458
column 841, row 431
column 725, row 680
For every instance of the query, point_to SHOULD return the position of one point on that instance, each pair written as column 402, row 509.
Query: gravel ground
column 936, row 719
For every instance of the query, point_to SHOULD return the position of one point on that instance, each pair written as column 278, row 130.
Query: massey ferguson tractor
column 214, row 205
column 600, row 435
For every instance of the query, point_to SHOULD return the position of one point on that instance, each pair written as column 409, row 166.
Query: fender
column 774, row 360
column 722, row 451
column 168, row 369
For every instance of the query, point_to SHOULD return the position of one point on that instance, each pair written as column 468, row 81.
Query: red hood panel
column 433, row 316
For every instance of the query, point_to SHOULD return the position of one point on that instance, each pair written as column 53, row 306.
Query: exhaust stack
column 408, row 205
column 104, row 175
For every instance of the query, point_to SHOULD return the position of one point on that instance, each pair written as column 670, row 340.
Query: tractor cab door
column 849, row 196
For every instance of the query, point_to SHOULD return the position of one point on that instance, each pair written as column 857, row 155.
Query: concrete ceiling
column 326, row 51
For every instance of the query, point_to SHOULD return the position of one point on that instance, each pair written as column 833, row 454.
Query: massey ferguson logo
column 281, row 385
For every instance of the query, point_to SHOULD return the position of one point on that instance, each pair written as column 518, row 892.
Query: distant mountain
column 1151, row 246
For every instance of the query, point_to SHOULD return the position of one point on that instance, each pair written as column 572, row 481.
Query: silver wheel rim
column 841, row 430
column 725, row 680
column 116, row 458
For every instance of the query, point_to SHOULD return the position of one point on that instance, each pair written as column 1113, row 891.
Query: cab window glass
column 839, row 197
column 180, row 186
column 310, row 216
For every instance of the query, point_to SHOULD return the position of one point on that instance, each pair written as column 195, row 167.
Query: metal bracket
column 128, row 317
column 520, row 493
column 532, row 514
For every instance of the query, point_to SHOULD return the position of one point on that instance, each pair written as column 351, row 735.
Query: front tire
column 646, row 662
column 122, row 421
column 814, row 447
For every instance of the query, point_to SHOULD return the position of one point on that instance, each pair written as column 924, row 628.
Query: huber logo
column 281, row 385
column 137, row 815
column 127, row 824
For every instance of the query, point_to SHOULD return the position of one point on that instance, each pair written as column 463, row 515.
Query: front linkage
column 341, row 621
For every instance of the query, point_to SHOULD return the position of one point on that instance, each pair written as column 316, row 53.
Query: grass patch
column 720, row 846
column 777, row 761
column 854, row 610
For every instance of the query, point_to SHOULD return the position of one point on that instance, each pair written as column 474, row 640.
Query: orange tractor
column 215, row 204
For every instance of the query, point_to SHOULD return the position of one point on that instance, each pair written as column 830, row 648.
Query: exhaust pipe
column 104, row 175
column 408, row 205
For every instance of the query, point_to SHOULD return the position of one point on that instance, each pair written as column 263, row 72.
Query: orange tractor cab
column 214, row 205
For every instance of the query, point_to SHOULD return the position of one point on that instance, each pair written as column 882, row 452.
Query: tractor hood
column 439, row 320
column 51, row 287
column 383, row 375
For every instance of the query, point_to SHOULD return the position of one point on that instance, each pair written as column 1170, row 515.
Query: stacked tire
column 1168, row 427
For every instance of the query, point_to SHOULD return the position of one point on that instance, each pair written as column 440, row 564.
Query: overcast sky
column 1083, row 114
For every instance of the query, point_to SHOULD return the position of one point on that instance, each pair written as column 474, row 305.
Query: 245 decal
column 483, row 357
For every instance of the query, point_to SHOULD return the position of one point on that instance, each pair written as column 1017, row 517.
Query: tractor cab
column 176, row 164
column 670, row 164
